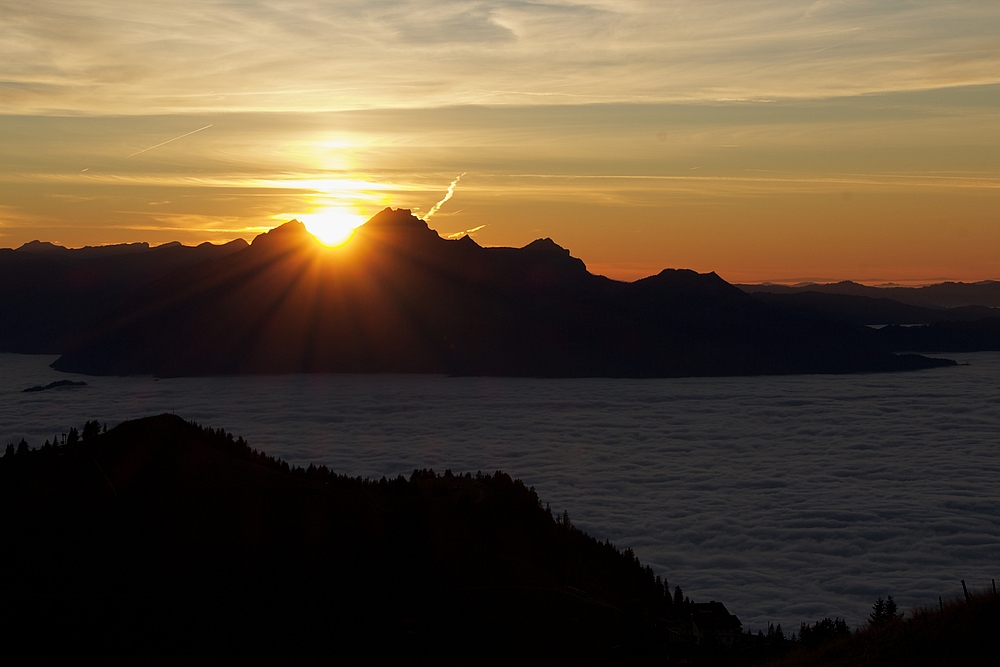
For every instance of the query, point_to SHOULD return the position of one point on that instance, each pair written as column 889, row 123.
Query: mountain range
column 985, row 293
column 50, row 294
column 398, row 298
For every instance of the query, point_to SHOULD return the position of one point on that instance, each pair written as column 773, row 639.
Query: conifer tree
column 891, row 610
column 91, row 429
column 883, row 611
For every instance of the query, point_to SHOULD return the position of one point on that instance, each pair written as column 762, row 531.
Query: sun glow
column 333, row 226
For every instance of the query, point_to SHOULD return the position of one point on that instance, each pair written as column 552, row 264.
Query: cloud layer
column 108, row 56
column 788, row 498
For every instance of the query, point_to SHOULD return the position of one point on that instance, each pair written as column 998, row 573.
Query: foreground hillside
column 399, row 298
column 161, row 539
column 961, row 632
column 160, row 531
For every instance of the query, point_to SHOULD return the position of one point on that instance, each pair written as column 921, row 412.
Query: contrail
column 465, row 233
column 169, row 140
column 447, row 196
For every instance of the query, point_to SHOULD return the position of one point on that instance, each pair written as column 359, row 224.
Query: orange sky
column 772, row 140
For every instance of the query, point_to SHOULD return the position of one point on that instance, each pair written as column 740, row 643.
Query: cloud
column 164, row 143
column 448, row 195
column 466, row 232
column 788, row 498
column 99, row 56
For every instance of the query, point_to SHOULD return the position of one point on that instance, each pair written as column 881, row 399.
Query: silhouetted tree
column 678, row 596
column 73, row 437
column 22, row 447
column 9, row 452
column 877, row 617
column 891, row 610
column 775, row 633
column 91, row 430
column 823, row 631
column 883, row 611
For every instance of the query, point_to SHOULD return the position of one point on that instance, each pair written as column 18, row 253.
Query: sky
column 766, row 140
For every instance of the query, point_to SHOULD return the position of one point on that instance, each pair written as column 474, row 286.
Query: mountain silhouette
column 400, row 299
column 161, row 533
column 50, row 295
column 985, row 293
column 977, row 336
column 860, row 309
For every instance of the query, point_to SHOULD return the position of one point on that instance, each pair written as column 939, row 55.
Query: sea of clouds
column 788, row 498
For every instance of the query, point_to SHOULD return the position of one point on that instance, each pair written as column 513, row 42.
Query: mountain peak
column 397, row 227
column 390, row 215
column 547, row 246
column 291, row 233
column 292, row 227
column 37, row 246
column 467, row 241
column 397, row 219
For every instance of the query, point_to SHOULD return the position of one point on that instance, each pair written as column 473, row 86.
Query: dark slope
column 398, row 298
column 164, row 534
column 50, row 294
column 942, row 295
column 959, row 633
column 975, row 336
column 858, row 309
column 941, row 330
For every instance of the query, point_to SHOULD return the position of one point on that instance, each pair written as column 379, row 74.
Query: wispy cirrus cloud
column 105, row 56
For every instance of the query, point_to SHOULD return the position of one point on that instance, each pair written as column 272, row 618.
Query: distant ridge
column 58, row 384
column 399, row 298
column 860, row 309
column 941, row 295
column 50, row 295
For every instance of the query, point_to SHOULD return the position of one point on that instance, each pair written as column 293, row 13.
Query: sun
column 333, row 226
